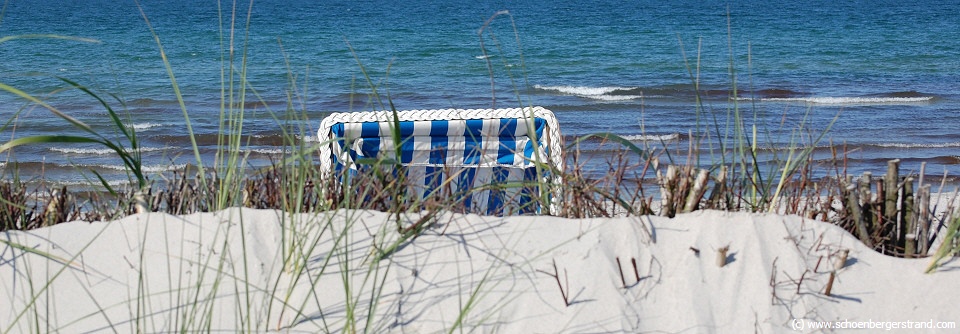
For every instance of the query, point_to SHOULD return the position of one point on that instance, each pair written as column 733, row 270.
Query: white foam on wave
column 75, row 183
column 583, row 90
column 919, row 145
column 654, row 138
column 850, row 100
column 145, row 126
column 266, row 151
column 146, row 169
column 101, row 151
column 614, row 97
column 271, row 151
column 309, row 139
column 93, row 151
column 596, row 93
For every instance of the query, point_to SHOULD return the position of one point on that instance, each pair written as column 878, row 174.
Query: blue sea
column 881, row 78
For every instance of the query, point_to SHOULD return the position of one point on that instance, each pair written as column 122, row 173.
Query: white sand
column 224, row 272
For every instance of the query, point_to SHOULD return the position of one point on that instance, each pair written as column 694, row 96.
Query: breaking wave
column 146, row 126
column 101, row 151
column 611, row 93
column 653, row 138
column 916, row 145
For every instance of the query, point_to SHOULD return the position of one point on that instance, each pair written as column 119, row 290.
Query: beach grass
column 736, row 179
column 309, row 202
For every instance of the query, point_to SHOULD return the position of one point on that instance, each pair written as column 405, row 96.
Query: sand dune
column 225, row 272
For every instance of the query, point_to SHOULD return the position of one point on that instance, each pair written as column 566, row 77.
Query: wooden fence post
column 908, row 237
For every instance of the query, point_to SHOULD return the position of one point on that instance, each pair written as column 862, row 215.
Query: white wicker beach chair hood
column 484, row 145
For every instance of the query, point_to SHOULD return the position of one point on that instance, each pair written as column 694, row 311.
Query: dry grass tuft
column 905, row 229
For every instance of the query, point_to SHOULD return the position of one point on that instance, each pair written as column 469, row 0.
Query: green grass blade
column 946, row 248
column 113, row 114
column 615, row 138
column 48, row 139
column 31, row 250
column 177, row 94
column 75, row 122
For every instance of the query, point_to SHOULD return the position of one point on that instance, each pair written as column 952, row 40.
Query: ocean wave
column 270, row 151
column 584, row 90
column 614, row 97
column 280, row 140
column 774, row 93
column 265, row 151
column 148, row 102
column 610, row 93
column 146, row 169
column 917, row 145
column 54, row 168
column 82, row 183
column 101, row 151
column 880, row 161
column 653, row 138
column 91, row 151
column 309, row 139
column 145, row 126
column 849, row 100
column 908, row 93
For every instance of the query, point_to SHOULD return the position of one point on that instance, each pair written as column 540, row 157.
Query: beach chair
column 491, row 161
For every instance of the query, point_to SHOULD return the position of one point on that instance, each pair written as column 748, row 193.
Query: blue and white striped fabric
column 470, row 151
